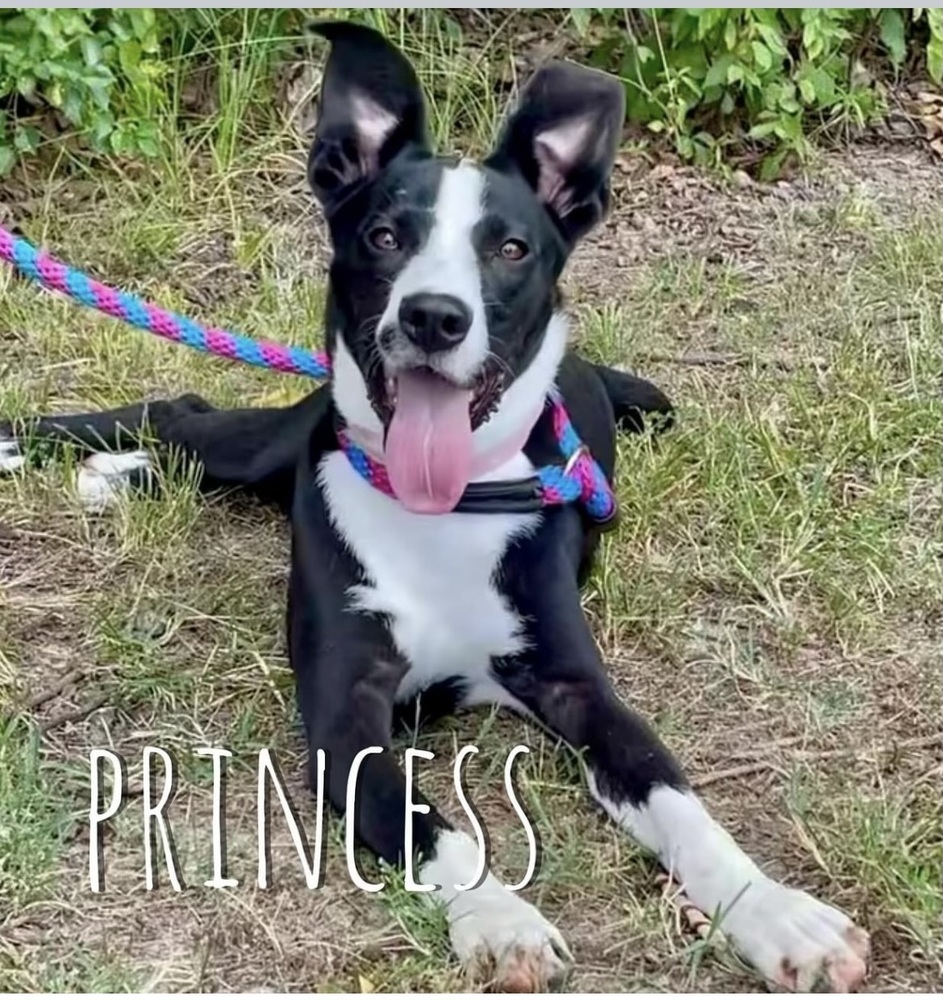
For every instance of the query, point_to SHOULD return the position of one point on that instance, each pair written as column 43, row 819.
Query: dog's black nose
column 434, row 322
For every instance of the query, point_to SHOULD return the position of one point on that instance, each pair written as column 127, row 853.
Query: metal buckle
column 581, row 452
column 606, row 523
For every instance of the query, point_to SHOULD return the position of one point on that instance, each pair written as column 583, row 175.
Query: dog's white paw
column 497, row 936
column 103, row 477
column 10, row 458
column 795, row 941
column 502, row 938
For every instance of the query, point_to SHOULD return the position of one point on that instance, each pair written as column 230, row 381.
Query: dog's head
column 442, row 305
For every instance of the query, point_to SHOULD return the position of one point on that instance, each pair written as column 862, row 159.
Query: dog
column 446, row 333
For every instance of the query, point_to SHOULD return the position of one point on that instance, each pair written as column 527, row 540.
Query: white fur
column 566, row 141
column 490, row 924
column 104, row 477
column 373, row 124
column 350, row 390
column 10, row 458
column 100, row 480
column 447, row 264
column 433, row 574
column 772, row 926
column 527, row 392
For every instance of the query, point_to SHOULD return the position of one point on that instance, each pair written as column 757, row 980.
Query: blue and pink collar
column 577, row 478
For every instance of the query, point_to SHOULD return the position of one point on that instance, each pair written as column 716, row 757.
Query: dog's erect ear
column 371, row 107
column 562, row 138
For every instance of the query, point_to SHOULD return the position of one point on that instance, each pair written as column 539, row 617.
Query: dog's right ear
column 371, row 107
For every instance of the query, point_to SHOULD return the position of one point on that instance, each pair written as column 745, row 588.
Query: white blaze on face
column 430, row 449
column 447, row 264
column 429, row 442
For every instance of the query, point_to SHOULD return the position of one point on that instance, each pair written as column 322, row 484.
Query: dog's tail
column 635, row 401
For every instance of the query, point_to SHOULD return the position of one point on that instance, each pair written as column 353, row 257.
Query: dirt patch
column 664, row 210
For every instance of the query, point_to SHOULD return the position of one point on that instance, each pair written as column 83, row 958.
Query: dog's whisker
column 502, row 365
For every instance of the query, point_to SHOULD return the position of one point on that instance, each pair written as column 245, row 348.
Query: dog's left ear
column 562, row 138
column 370, row 109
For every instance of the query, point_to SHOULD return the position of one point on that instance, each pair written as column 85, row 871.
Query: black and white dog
column 446, row 334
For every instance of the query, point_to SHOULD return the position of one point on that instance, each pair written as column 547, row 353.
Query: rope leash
column 45, row 270
column 579, row 480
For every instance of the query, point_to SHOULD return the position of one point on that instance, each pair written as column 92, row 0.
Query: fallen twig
column 735, row 772
column 75, row 715
column 915, row 743
column 761, row 752
column 894, row 316
column 722, row 358
column 695, row 358
column 696, row 920
column 47, row 694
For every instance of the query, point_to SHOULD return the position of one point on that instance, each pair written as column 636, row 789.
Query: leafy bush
column 97, row 68
column 747, row 83
column 763, row 77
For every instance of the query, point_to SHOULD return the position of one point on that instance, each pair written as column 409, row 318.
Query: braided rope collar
column 578, row 478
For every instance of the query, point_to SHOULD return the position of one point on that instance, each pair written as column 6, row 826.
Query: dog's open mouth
column 429, row 425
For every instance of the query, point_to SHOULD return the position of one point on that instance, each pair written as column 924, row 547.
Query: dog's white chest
column 434, row 576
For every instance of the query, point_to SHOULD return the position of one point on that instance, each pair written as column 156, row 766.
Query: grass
column 29, row 804
column 804, row 488
column 771, row 598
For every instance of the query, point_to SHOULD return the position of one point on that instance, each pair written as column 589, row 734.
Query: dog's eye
column 383, row 238
column 513, row 250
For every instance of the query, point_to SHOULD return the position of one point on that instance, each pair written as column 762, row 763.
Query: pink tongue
column 429, row 443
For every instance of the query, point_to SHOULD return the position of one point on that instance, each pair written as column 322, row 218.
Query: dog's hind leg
column 104, row 430
column 251, row 448
column 108, row 444
column 635, row 400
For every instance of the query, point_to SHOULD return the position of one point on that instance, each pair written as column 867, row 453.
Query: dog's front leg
column 347, row 674
column 346, row 701
column 497, row 935
column 792, row 939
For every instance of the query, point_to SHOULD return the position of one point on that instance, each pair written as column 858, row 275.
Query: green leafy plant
column 97, row 69
column 757, row 80
column 933, row 17
column 751, row 86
